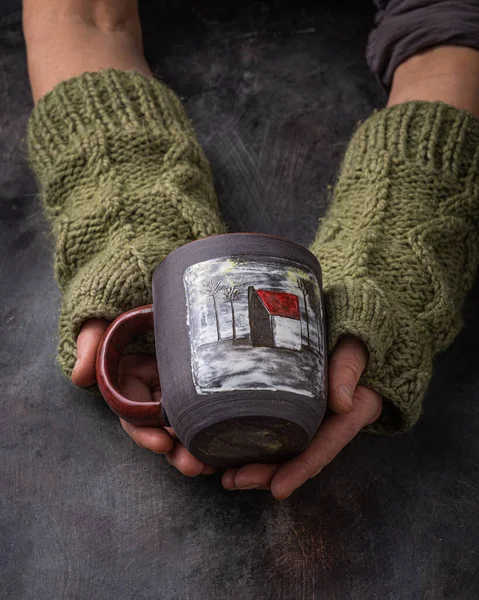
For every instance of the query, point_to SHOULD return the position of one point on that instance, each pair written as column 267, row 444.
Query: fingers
column 156, row 439
column 228, row 479
column 160, row 441
column 185, row 462
column 335, row 433
column 87, row 345
column 346, row 366
column 140, row 366
column 138, row 377
column 254, row 476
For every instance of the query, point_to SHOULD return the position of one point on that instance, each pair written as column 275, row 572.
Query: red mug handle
column 114, row 341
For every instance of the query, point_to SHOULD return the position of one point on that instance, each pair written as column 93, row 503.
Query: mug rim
column 228, row 234
column 245, row 233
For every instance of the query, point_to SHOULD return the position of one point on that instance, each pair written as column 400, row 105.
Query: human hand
column 350, row 413
column 138, row 378
column 352, row 407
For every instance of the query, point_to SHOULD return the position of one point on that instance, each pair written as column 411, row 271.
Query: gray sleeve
column 406, row 27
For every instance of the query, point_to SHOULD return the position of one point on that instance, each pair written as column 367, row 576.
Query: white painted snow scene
column 254, row 323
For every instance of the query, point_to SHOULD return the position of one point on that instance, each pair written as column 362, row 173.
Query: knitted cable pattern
column 399, row 246
column 123, row 181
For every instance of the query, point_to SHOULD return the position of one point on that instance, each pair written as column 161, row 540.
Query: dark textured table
column 275, row 90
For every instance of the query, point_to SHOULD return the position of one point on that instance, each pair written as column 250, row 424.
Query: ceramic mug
column 241, row 349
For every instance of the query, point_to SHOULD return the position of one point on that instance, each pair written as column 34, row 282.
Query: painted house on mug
column 274, row 319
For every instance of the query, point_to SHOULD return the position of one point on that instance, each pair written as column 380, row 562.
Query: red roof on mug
column 280, row 304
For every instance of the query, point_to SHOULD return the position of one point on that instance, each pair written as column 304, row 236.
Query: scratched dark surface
column 275, row 91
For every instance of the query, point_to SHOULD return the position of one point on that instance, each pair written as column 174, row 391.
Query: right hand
column 138, row 374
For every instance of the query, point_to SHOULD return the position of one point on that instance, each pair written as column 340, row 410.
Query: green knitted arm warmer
column 399, row 247
column 123, row 182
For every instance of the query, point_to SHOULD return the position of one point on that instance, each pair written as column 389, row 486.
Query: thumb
column 88, row 341
column 347, row 364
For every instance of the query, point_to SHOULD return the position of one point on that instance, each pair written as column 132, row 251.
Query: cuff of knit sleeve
column 358, row 308
column 433, row 135
column 69, row 328
column 113, row 282
column 402, row 399
column 70, row 325
column 103, row 103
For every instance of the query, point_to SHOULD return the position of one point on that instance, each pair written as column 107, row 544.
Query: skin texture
column 352, row 407
column 446, row 73
column 67, row 37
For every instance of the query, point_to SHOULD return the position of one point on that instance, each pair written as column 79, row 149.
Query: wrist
column 105, row 15
column 64, row 41
column 447, row 74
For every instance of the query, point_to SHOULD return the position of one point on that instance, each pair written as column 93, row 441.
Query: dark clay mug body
column 241, row 349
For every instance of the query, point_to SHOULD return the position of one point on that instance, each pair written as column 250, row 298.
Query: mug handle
column 114, row 341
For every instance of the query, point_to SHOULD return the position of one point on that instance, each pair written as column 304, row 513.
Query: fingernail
column 346, row 395
column 253, row 486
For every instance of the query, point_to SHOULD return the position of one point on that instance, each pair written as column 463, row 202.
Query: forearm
column 122, row 177
column 399, row 247
column 65, row 38
column 448, row 74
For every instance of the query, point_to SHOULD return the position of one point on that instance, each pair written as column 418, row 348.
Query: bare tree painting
column 315, row 304
column 222, row 319
column 230, row 294
column 304, row 290
column 212, row 288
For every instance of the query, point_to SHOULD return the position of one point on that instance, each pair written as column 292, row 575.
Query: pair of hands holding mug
column 351, row 407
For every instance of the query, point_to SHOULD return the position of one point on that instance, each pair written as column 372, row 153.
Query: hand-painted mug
column 240, row 345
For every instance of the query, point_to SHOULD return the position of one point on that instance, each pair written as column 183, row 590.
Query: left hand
column 352, row 407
